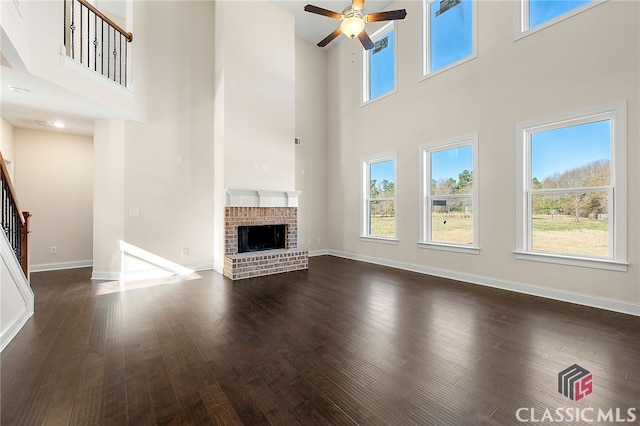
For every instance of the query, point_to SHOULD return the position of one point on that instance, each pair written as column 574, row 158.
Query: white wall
column 6, row 145
column 108, row 198
column 169, row 158
column 53, row 180
column 588, row 60
column 259, row 95
column 311, row 158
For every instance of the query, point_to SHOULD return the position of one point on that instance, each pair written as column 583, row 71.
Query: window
column 448, row 33
column 572, row 188
column 379, row 75
column 534, row 15
column 379, row 197
column 448, row 195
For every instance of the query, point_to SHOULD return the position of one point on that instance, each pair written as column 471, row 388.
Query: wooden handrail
column 5, row 176
column 128, row 35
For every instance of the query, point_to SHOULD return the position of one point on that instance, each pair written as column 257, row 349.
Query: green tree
column 465, row 182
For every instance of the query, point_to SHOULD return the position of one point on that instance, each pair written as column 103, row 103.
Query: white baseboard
column 533, row 290
column 321, row 252
column 12, row 329
column 43, row 267
column 150, row 273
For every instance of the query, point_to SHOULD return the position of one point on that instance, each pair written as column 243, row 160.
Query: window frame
column 365, row 89
column 425, row 63
column 424, row 227
column 617, row 258
column 521, row 17
column 365, row 217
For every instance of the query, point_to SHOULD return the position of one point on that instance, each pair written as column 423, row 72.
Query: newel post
column 24, row 244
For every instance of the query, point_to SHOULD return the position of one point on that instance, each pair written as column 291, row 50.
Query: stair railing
column 95, row 41
column 15, row 223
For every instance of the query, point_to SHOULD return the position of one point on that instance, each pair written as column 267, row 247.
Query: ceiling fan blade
column 328, row 39
column 320, row 11
column 357, row 4
column 390, row 15
column 365, row 40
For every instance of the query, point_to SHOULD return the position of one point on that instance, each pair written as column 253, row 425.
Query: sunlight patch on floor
column 157, row 271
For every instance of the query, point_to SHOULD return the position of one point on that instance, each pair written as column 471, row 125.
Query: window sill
column 449, row 247
column 425, row 76
column 519, row 33
column 377, row 98
column 383, row 240
column 606, row 264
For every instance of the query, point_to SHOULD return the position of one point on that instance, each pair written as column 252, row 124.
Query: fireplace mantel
column 261, row 198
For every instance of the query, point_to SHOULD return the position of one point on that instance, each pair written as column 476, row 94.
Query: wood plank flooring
column 344, row 343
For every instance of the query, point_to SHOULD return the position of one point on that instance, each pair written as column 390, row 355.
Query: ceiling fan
column 353, row 21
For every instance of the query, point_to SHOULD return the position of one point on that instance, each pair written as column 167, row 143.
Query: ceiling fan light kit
column 353, row 22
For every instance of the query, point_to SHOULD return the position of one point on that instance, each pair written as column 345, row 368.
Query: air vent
column 41, row 123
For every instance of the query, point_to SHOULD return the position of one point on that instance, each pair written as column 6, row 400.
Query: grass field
column 562, row 234
column 383, row 226
column 558, row 233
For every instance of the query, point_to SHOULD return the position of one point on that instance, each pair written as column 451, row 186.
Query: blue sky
column 557, row 151
column 382, row 69
column 382, row 170
column 450, row 34
column 451, row 162
column 541, row 11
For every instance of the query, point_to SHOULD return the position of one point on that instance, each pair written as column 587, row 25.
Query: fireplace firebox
column 261, row 237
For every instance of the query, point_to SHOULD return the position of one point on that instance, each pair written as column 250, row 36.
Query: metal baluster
column 108, row 49
column 95, row 42
column 88, row 38
column 81, row 32
column 126, row 58
column 64, row 26
column 120, row 50
column 73, row 30
column 102, row 48
column 115, row 54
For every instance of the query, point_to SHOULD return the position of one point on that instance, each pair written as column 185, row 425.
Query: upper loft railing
column 95, row 41
column 15, row 223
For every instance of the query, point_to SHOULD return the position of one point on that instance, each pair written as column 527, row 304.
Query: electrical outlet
column 53, row 250
column 425, row 253
column 185, row 252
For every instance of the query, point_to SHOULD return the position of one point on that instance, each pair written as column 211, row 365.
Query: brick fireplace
column 252, row 208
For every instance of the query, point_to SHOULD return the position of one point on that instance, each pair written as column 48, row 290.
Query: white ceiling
column 44, row 103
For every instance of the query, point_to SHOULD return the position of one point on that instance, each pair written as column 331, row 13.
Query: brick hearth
column 253, row 264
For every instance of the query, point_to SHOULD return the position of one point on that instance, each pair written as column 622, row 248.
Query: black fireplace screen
column 263, row 237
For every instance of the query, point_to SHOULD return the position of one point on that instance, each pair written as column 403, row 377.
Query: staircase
column 17, row 302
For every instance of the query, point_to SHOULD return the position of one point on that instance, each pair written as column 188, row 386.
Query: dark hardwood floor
column 344, row 343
